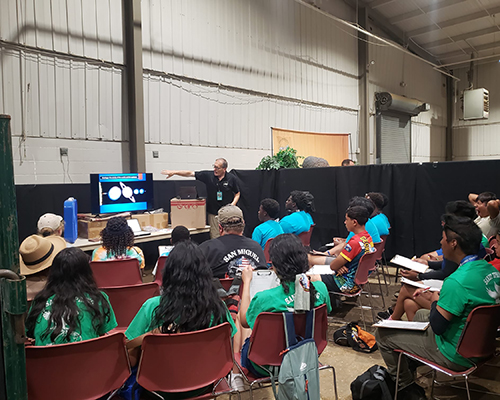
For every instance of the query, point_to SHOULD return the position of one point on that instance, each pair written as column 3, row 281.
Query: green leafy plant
column 286, row 158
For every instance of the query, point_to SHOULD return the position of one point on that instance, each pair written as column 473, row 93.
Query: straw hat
column 37, row 253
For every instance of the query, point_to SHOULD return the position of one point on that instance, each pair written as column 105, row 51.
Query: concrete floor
column 349, row 364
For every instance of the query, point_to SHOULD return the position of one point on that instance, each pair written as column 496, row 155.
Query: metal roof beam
column 458, row 38
column 454, row 21
column 394, row 33
column 425, row 10
column 477, row 49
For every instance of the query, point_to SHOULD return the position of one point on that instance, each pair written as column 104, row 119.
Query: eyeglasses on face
column 216, row 167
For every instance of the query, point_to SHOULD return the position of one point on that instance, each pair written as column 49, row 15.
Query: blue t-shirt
column 296, row 222
column 382, row 224
column 372, row 230
column 265, row 231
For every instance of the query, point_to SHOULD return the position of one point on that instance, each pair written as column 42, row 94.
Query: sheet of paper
column 407, row 263
column 164, row 250
column 320, row 270
column 410, row 325
column 263, row 280
column 433, row 283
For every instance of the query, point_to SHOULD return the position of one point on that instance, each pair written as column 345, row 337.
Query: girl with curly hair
column 118, row 242
column 70, row 308
column 289, row 259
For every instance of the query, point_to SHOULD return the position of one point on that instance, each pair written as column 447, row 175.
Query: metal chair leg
column 371, row 304
column 397, row 377
column 433, row 381
column 362, row 312
column 467, row 386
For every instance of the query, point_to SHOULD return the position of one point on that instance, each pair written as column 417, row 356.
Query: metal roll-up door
column 393, row 138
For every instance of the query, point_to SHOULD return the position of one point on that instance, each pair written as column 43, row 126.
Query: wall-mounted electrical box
column 476, row 104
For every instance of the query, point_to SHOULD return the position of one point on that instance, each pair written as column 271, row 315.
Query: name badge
column 219, row 196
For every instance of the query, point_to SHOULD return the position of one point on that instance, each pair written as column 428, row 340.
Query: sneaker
column 237, row 382
column 385, row 314
column 412, row 392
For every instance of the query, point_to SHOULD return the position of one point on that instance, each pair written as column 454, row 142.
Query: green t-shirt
column 484, row 242
column 141, row 323
column 473, row 284
column 84, row 332
column 276, row 300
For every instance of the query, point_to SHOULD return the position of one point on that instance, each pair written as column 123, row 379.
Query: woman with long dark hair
column 70, row 308
column 189, row 301
column 289, row 259
column 118, row 242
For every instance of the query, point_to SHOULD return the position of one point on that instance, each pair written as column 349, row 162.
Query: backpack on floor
column 373, row 384
column 353, row 336
column 298, row 376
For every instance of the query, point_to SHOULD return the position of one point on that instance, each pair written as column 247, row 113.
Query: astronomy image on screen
column 122, row 192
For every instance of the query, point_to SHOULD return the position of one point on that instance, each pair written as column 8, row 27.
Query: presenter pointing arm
column 187, row 174
column 222, row 189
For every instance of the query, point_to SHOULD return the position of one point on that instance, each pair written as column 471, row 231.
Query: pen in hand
column 423, row 291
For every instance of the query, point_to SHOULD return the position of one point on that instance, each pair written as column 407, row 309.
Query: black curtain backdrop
column 417, row 195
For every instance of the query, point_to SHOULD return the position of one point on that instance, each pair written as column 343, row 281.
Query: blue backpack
column 298, row 377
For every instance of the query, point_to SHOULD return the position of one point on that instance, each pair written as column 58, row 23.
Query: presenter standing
column 222, row 189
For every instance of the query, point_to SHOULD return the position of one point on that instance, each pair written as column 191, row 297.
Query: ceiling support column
column 132, row 27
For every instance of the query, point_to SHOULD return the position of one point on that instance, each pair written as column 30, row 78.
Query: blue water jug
column 70, row 220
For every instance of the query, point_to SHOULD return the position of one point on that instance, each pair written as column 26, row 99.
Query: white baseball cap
column 49, row 220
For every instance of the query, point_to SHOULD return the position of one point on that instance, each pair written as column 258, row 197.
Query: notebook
column 434, row 285
column 136, row 227
column 410, row 325
column 410, row 264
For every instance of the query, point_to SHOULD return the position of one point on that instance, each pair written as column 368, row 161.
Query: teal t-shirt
column 473, row 284
column 372, row 230
column 276, row 300
column 265, row 231
column 85, row 331
column 141, row 323
column 296, row 222
column 382, row 224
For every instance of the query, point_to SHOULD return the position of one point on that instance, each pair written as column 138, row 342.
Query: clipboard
column 263, row 280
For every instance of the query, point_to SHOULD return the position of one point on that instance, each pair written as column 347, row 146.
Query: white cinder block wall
column 218, row 75
column 478, row 139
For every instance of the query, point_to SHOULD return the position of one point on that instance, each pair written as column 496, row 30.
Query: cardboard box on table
column 188, row 212
column 90, row 229
column 158, row 220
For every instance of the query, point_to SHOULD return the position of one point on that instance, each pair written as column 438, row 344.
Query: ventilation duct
column 386, row 101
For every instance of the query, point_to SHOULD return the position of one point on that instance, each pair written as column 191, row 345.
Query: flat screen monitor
column 114, row 193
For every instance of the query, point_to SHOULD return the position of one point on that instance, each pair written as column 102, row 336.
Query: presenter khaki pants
column 214, row 226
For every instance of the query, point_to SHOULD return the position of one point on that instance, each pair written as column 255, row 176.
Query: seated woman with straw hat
column 36, row 256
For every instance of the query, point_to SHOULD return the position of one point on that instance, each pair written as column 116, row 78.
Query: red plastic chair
column 160, row 265
column 268, row 341
column 305, row 237
column 379, row 266
column 127, row 300
column 121, row 272
column 365, row 265
column 77, row 371
column 226, row 283
column 187, row 361
column 267, row 246
column 478, row 340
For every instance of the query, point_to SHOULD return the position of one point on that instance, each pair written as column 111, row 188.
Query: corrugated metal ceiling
column 449, row 30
